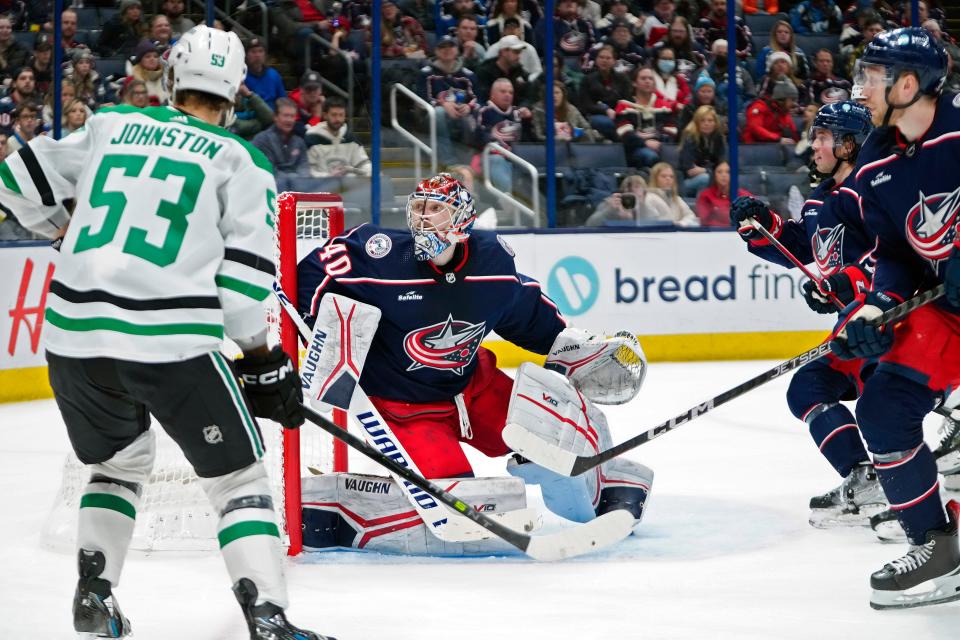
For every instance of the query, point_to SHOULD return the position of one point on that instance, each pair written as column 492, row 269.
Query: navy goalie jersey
column 434, row 318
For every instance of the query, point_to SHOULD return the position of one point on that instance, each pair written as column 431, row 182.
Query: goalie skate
column 928, row 574
column 852, row 503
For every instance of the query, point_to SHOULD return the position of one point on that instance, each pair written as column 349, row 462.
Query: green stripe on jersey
column 6, row 175
column 239, row 400
column 248, row 528
column 250, row 290
column 108, row 501
column 170, row 114
column 120, row 326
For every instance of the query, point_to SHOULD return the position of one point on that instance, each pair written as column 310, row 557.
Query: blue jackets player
column 442, row 289
column 829, row 234
column 910, row 192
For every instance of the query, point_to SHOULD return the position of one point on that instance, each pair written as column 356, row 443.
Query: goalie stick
column 566, row 463
column 792, row 258
column 571, row 542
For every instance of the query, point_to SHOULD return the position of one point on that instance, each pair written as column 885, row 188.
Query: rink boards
column 688, row 295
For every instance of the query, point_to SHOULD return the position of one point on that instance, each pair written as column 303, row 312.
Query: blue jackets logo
column 931, row 225
column 574, row 285
column 448, row 346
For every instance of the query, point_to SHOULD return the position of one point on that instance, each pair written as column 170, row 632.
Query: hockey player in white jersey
column 168, row 249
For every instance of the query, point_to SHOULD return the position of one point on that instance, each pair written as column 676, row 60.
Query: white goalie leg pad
column 247, row 530
column 606, row 369
column 110, row 501
column 546, row 404
column 341, row 339
column 625, row 484
column 372, row 513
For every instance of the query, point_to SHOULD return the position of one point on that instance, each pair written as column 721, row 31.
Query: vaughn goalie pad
column 607, row 369
column 338, row 348
column 372, row 513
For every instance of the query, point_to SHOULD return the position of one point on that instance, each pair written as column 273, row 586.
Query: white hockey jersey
column 170, row 245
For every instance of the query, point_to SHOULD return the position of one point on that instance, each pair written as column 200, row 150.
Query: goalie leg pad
column 625, row 484
column 109, row 504
column 247, row 530
column 371, row 513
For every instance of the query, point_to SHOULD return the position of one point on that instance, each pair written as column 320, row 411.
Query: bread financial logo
column 574, row 285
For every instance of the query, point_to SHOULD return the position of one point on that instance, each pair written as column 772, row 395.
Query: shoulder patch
column 956, row 101
column 506, row 247
column 378, row 245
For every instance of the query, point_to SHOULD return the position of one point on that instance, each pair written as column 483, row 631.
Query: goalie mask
column 440, row 213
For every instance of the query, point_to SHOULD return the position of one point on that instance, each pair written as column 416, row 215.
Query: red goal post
column 304, row 222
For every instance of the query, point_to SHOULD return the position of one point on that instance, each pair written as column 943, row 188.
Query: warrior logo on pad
column 449, row 345
column 931, row 225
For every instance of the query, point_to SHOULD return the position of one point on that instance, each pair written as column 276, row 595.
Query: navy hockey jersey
column 829, row 233
column 433, row 318
column 910, row 194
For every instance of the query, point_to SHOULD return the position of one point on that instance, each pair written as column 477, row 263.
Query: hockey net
column 174, row 514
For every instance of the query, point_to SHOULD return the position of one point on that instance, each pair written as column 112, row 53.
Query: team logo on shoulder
column 212, row 434
column 506, row 247
column 931, row 225
column 448, row 346
column 956, row 101
column 378, row 245
column 828, row 249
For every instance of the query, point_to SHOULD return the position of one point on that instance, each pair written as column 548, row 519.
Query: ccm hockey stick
column 441, row 522
column 601, row 532
column 792, row 258
column 537, row 450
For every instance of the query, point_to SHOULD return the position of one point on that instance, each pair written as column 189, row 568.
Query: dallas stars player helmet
column 207, row 60
column 440, row 213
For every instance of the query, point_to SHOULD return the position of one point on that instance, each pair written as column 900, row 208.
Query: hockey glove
column 846, row 285
column 746, row 207
column 856, row 336
column 951, row 276
column 273, row 387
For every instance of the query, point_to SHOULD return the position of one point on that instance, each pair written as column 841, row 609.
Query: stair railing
column 418, row 144
column 494, row 148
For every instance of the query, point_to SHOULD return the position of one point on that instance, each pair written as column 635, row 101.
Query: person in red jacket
column 713, row 203
column 768, row 118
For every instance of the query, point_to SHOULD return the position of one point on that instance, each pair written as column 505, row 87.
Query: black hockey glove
column 273, row 387
column 746, row 207
column 846, row 285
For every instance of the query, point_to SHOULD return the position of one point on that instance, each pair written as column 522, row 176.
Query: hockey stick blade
column 601, row 532
column 552, row 457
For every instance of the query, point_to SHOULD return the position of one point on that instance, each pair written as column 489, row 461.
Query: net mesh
column 174, row 513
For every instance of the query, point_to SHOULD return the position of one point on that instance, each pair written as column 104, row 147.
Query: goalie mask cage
column 174, row 514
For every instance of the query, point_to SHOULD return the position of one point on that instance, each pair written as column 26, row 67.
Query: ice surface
column 726, row 551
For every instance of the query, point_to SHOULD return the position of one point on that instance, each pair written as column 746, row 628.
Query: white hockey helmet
column 207, row 60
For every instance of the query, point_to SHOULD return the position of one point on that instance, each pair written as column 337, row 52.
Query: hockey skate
column 96, row 613
column 937, row 561
column 887, row 527
column 268, row 621
column 852, row 503
column 947, row 453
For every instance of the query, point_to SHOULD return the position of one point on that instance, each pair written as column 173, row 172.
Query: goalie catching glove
column 272, row 386
column 606, row 369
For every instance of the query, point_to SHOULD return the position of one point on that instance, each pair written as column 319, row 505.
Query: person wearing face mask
column 690, row 56
column 671, row 85
column 717, row 69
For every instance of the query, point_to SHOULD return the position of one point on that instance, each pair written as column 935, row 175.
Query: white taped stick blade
column 341, row 339
column 538, row 450
column 595, row 535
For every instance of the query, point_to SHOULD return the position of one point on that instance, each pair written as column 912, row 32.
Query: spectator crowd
column 648, row 75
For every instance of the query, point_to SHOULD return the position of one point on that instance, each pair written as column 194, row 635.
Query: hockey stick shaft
column 583, row 463
column 793, row 259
